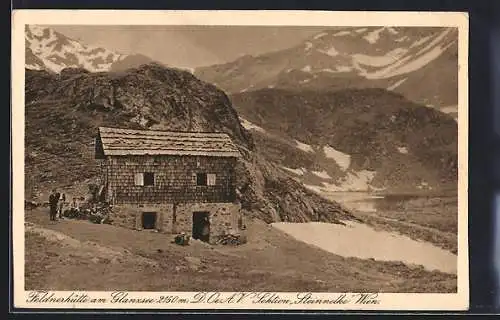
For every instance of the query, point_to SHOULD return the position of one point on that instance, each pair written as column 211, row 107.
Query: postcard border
column 399, row 301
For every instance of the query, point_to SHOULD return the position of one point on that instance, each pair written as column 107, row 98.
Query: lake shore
column 423, row 216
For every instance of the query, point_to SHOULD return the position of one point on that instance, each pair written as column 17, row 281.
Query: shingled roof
column 118, row 142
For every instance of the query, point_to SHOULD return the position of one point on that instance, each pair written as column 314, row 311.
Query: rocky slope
column 353, row 139
column 420, row 63
column 64, row 110
column 46, row 49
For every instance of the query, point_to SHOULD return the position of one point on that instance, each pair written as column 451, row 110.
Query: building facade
column 172, row 182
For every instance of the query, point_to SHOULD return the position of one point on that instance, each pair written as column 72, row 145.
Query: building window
column 144, row 179
column 204, row 179
column 201, row 179
column 139, row 179
column 149, row 179
column 211, row 179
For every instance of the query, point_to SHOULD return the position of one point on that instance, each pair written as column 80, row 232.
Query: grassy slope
column 270, row 261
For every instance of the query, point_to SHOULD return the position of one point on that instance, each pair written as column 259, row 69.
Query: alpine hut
column 172, row 182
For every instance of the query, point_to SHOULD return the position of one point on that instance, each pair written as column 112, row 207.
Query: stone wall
column 130, row 216
column 223, row 217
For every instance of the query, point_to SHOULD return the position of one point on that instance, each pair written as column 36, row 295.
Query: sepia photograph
column 283, row 162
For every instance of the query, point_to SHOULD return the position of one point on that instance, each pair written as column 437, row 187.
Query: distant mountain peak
column 47, row 49
column 420, row 63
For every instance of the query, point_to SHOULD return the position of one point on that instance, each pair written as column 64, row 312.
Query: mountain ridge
column 47, row 49
column 352, row 139
column 420, row 63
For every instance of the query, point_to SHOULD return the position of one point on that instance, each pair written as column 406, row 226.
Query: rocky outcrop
column 64, row 110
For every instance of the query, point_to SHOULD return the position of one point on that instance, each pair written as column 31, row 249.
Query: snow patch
column 320, row 35
column 33, row 67
column 343, row 69
column 309, row 45
column 419, row 42
column 392, row 30
column 342, row 33
column 250, row 126
column 449, row 109
column 44, row 47
column 403, row 150
column 413, row 65
column 313, row 188
column 403, row 38
column 424, row 185
column 396, row 84
column 353, row 181
column 304, row 147
column 246, row 89
column 322, row 174
column 373, row 36
column 306, row 68
column 344, row 240
column 438, row 39
column 380, row 61
column 304, row 81
column 404, row 66
column 332, row 52
column 328, row 70
column 361, row 30
column 36, row 30
column 342, row 159
column 299, row 172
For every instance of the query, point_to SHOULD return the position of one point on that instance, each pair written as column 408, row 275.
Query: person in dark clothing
column 53, row 200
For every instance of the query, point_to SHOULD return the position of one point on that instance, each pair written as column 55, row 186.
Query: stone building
column 170, row 181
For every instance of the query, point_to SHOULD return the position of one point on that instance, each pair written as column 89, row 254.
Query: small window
column 139, row 179
column 201, row 179
column 149, row 179
column 211, row 179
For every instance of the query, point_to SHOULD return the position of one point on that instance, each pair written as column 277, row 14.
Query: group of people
column 57, row 203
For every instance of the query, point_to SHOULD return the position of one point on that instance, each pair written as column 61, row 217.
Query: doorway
column 201, row 226
column 149, row 220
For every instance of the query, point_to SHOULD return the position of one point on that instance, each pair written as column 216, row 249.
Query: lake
column 370, row 202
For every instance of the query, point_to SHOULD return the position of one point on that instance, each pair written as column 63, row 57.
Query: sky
column 190, row 46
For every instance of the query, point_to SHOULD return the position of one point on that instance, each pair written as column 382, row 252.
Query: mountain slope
column 420, row 63
column 49, row 50
column 353, row 139
column 63, row 112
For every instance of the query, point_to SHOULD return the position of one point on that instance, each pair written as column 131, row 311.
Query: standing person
column 53, row 199
column 62, row 200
